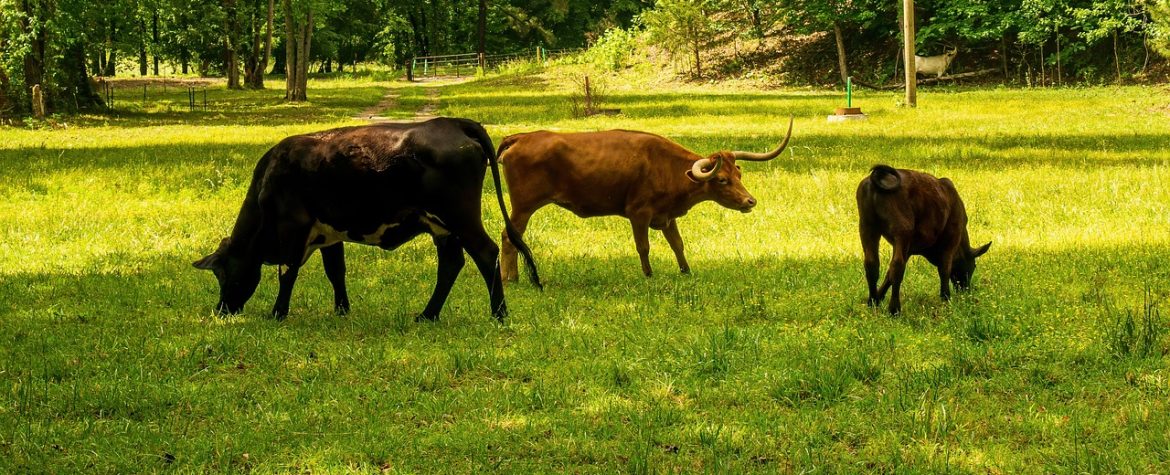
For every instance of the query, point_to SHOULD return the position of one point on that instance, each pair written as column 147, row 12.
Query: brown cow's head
column 721, row 175
column 237, row 277
column 963, row 266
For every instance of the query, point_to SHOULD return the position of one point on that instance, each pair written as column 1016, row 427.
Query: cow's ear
column 981, row 250
column 209, row 262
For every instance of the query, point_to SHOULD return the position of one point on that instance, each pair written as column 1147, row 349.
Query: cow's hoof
column 895, row 309
column 873, row 302
column 279, row 315
column 341, row 310
column 685, row 270
column 422, row 317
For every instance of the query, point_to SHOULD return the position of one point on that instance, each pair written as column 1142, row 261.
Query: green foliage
column 615, row 49
column 1160, row 38
column 682, row 27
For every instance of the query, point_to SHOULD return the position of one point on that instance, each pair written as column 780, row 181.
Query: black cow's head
column 963, row 266
column 238, row 277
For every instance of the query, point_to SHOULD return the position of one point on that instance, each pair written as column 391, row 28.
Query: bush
column 614, row 50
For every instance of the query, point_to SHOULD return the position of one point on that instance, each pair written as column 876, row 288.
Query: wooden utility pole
column 908, row 57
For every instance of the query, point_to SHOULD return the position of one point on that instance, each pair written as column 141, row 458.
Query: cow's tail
column 506, row 144
column 885, row 178
column 485, row 142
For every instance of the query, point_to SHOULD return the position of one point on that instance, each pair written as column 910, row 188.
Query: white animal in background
column 936, row 65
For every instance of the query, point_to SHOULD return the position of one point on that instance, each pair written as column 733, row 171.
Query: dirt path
column 390, row 101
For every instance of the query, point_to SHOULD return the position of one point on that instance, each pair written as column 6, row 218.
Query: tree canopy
column 58, row 44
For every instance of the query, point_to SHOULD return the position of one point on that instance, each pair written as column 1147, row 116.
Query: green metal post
column 849, row 91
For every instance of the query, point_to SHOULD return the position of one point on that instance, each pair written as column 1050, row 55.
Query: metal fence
column 143, row 94
column 458, row 65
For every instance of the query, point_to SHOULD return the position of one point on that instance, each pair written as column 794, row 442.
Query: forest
column 60, row 44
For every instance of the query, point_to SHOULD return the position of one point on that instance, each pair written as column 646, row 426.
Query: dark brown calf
column 919, row 215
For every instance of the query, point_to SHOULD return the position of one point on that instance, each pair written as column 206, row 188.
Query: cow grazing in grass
column 936, row 65
column 643, row 177
column 919, row 215
column 380, row 185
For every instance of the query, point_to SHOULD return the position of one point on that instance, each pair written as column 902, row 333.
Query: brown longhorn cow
column 643, row 177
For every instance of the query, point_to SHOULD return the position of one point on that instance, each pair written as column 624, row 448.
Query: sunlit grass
column 764, row 360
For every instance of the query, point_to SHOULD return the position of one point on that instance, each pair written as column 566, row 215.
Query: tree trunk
column 1116, row 58
column 111, row 62
column 303, row 75
column 908, row 52
column 299, row 37
column 1043, row 76
column 5, row 102
column 480, row 28
column 76, row 81
column 154, row 46
column 1059, row 73
column 263, row 66
column 185, row 59
column 841, row 66
column 231, row 56
column 290, row 54
column 143, row 65
column 1003, row 54
column 698, row 61
column 34, row 59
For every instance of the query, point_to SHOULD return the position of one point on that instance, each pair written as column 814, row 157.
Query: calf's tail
column 485, row 142
column 885, row 178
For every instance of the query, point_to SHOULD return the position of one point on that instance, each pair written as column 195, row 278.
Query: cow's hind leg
column 676, row 245
column 870, row 239
column 450, row 263
column 509, row 269
column 486, row 256
column 333, row 259
column 641, row 229
column 895, row 274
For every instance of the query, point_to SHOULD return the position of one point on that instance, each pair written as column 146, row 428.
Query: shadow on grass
column 230, row 108
column 188, row 166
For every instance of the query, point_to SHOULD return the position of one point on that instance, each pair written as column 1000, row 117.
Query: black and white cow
column 380, row 185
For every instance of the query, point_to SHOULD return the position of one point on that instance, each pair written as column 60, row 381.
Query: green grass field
column 765, row 359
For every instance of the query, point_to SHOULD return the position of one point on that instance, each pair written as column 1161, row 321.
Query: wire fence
column 133, row 94
column 467, row 64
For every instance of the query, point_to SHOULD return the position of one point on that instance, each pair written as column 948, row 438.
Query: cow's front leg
column 450, row 263
column 288, row 277
column 642, row 243
column 333, row 259
column 676, row 245
column 293, row 253
column 944, row 275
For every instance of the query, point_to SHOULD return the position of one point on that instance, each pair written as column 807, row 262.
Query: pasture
column 765, row 359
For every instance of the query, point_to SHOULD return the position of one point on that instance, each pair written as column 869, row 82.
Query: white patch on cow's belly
column 321, row 230
column 434, row 224
column 375, row 238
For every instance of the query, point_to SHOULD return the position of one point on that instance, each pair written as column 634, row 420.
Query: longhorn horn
column 697, row 169
column 760, row 157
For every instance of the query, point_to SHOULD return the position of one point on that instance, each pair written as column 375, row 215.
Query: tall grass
column 765, row 359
